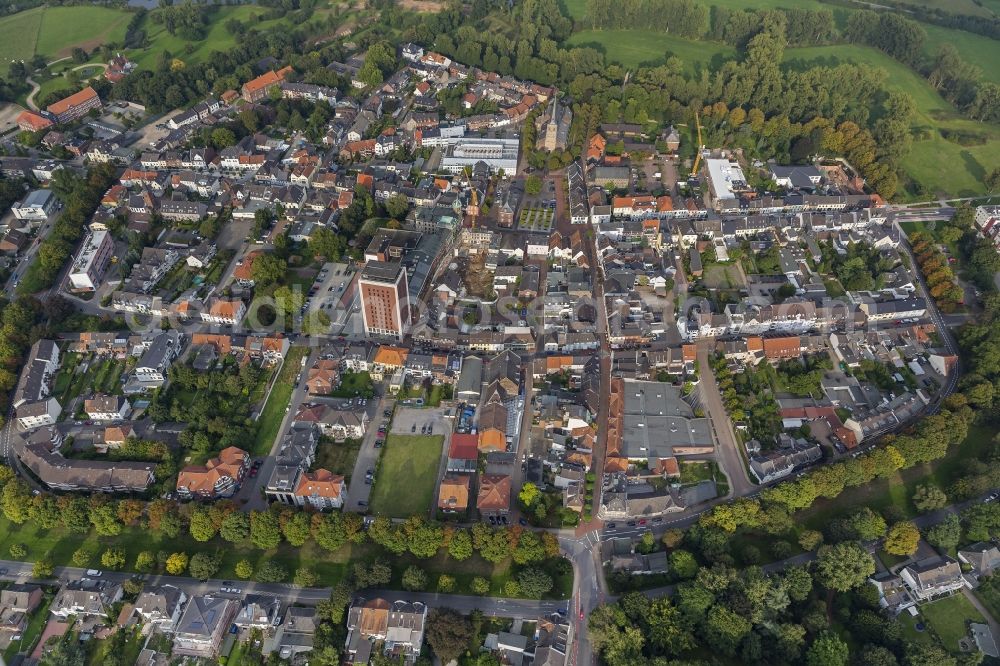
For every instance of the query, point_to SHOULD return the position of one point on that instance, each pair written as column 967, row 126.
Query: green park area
column 407, row 475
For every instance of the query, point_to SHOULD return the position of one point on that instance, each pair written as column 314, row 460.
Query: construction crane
column 697, row 156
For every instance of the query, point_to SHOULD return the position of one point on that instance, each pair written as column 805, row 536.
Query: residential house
column 932, row 577
column 219, row 477
column 463, row 453
column 323, row 377
column 494, row 495
column 107, row 407
column 399, row 627
column 85, row 598
column 453, row 493
column 259, row 611
column 322, row 490
column 982, row 558
column 160, row 606
column 203, row 625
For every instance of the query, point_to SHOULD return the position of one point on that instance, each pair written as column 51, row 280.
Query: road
column 306, row 596
column 727, row 453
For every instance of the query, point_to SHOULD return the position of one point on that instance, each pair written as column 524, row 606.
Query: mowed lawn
column 949, row 618
column 55, row 31
column 941, row 166
column 406, row 475
column 85, row 26
column 634, row 47
column 19, row 34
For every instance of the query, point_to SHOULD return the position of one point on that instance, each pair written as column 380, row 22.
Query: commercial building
column 495, row 154
column 37, row 206
column 74, row 106
column 257, row 89
column 30, row 121
column 725, row 181
column 92, row 261
column 384, row 299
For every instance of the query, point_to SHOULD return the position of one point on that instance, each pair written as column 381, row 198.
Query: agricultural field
column 55, row 31
column 634, row 47
column 406, row 475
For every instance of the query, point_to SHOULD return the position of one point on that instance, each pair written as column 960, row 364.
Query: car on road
column 658, row 519
column 581, row 613
column 94, row 572
column 362, row 503
column 642, row 522
column 631, row 523
column 378, row 443
column 413, row 428
column 612, row 526
column 522, row 522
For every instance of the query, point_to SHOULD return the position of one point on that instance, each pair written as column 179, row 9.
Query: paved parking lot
column 413, row 420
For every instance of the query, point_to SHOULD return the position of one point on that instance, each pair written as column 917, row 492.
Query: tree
column 843, row 566
column 145, row 561
column 268, row 269
column 992, row 180
column 667, row 631
column 448, row 633
column 683, row 564
column 460, row 546
column 529, row 494
column 223, row 137
column 397, row 206
column 15, row 500
column 42, row 568
column 945, row 535
column 480, row 586
column 18, row 550
column 868, row 525
column 104, row 518
column 414, row 578
column 673, row 537
column 799, row 583
column 305, row 577
column 235, row 527
column 533, row 185
column 177, row 563
column 201, row 526
column 265, row 532
column 244, row 569
column 113, row 558
column 725, row 629
column 296, row 528
column 81, row 556
column 534, row 582
column 129, row 511
column 827, row 650
column 529, row 549
column 929, row 497
column 902, row 538
column 204, row 565
column 271, row 572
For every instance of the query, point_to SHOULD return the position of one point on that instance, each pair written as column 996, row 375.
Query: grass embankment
column 966, row 165
column 407, row 475
column 281, row 394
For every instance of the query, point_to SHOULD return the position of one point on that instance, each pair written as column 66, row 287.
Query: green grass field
column 217, row 38
column 941, row 166
column 948, row 618
column 634, row 47
column 84, row 26
column 980, row 51
column 19, row 34
column 407, row 475
column 55, row 31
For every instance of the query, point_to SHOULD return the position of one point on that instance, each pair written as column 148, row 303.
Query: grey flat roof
column 381, row 271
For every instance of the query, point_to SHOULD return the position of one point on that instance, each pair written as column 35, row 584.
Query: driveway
column 358, row 490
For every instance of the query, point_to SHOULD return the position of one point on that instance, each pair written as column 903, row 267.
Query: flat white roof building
column 725, row 179
column 38, row 205
column 495, row 153
column 88, row 267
